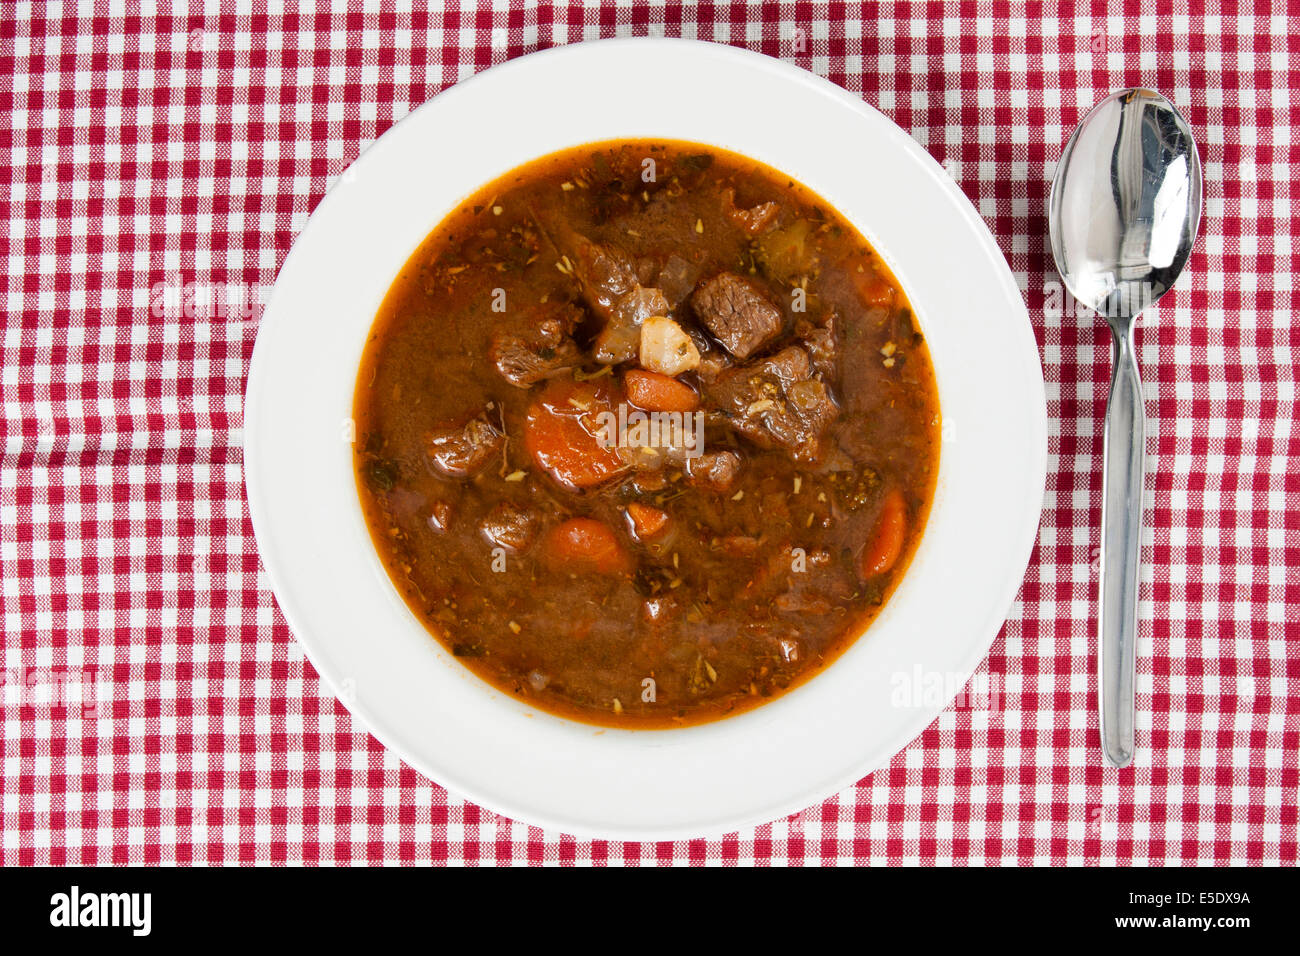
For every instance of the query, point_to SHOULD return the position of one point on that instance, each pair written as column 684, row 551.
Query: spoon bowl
column 1126, row 204
column 1123, row 215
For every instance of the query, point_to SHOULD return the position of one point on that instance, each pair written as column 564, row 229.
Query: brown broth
column 716, row 616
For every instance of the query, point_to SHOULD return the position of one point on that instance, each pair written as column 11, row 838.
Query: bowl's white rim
column 812, row 793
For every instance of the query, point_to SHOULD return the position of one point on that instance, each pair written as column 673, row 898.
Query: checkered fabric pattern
column 156, row 707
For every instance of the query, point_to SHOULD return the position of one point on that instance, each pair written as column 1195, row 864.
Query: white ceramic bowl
column 400, row 684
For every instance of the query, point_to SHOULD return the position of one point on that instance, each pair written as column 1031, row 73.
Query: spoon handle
column 1123, row 451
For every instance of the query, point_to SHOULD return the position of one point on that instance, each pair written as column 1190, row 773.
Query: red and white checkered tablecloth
column 147, row 151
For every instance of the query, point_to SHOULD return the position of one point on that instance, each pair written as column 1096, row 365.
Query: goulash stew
column 646, row 433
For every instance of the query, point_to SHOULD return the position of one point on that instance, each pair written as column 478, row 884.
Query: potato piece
column 665, row 348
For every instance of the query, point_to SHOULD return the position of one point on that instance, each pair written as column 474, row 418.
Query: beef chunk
column 511, row 526
column 823, row 344
column 648, row 482
column 652, row 443
column 620, row 339
column 605, row 274
column 609, row 284
column 541, row 349
column 738, row 313
column 775, row 403
column 713, row 360
column 714, row 470
column 462, row 451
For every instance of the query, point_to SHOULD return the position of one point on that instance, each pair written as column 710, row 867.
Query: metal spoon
column 1123, row 214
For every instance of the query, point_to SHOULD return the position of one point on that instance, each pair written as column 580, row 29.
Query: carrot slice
column 647, row 522
column 586, row 545
column 658, row 393
column 886, row 544
column 563, row 433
